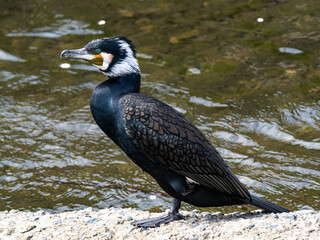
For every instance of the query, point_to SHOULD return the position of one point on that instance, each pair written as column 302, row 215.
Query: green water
column 252, row 87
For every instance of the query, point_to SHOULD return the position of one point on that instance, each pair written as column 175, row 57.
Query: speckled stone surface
column 113, row 223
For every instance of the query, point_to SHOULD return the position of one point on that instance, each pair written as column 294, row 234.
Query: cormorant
column 160, row 140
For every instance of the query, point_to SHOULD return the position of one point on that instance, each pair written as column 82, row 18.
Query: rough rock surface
column 115, row 223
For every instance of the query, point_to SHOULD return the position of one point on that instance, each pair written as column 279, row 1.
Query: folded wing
column 169, row 139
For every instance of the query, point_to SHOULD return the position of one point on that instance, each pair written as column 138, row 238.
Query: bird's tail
column 268, row 206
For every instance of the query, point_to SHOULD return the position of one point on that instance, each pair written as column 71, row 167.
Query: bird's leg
column 173, row 215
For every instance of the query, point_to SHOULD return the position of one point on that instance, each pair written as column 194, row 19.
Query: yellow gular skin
column 97, row 60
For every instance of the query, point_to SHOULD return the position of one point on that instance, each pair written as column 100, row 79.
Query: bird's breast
column 104, row 110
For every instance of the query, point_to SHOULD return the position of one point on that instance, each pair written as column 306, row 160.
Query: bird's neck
column 129, row 83
column 112, row 88
column 105, row 97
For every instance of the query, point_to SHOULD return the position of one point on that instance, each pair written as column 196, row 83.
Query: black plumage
column 157, row 138
column 170, row 140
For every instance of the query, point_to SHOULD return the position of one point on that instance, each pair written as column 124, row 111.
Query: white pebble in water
column 260, row 19
column 65, row 65
column 101, row 22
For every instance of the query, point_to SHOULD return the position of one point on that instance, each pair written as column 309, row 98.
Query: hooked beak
column 82, row 53
column 76, row 53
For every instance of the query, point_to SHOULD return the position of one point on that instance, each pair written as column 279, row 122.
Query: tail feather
column 268, row 206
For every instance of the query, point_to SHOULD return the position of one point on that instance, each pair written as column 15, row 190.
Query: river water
column 245, row 72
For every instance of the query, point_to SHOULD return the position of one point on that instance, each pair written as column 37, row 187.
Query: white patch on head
column 107, row 59
column 127, row 65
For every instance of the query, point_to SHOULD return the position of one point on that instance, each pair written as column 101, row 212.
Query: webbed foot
column 155, row 222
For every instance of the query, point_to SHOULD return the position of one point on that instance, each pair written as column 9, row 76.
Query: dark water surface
column 252, row 87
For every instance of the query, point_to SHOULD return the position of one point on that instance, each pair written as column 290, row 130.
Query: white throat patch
column 127, row 65
column 107, row 59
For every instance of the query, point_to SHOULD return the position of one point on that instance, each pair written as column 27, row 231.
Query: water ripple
column 235, row 138
column 9, row 57
column 204, row 102
column 302, row 114
column 61, row 28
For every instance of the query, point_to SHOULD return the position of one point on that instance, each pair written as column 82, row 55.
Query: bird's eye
column 98, row 50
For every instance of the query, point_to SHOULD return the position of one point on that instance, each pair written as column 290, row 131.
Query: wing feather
column 167, row 138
